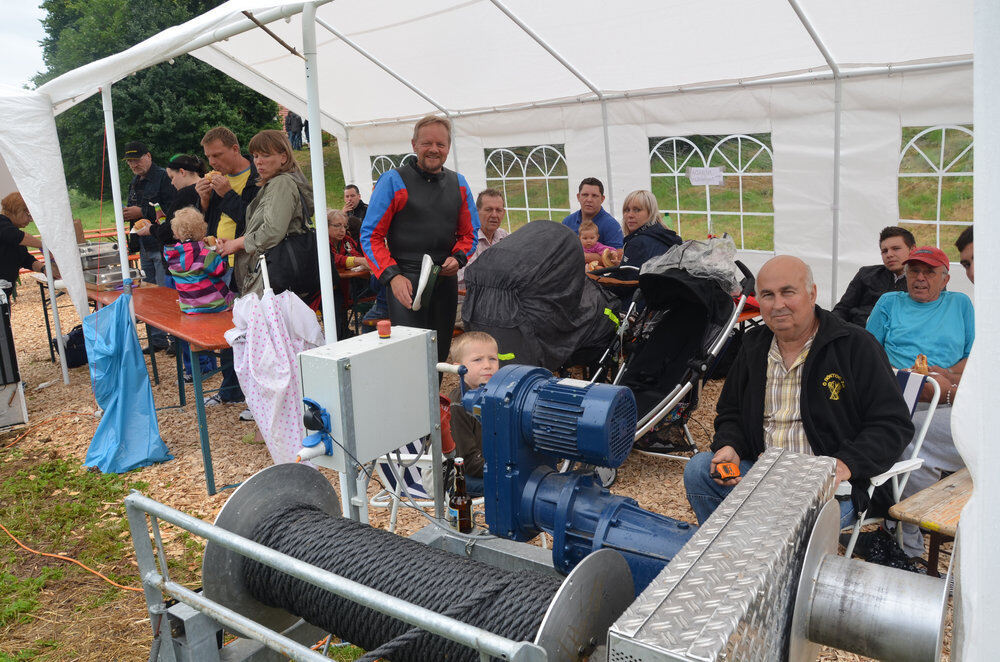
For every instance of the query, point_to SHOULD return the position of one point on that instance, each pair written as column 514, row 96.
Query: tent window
column 743, row 205
column 384, row 162
column 935, row 184
column 534, row 181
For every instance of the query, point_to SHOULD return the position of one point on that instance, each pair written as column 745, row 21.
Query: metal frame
column 156, row 582
column 937, row 170
column 738, row 170
column 508, row 160
column 583, row 79
column 838, row 85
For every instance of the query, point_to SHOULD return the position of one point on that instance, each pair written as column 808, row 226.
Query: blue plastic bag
column 128, row 435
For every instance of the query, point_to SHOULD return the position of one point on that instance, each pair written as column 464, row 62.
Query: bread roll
column 209, row 240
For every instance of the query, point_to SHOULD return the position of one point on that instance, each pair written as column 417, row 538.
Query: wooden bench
column 937, row 510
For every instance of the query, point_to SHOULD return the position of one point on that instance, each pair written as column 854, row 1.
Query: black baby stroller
column 530, row 292
column 688, row 315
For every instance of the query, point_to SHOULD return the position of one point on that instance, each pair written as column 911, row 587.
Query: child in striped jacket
column 198, row 271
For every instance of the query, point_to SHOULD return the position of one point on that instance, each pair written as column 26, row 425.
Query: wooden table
column 937, row 509
column 157, row 306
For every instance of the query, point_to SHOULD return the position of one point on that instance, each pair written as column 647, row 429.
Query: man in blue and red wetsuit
column 416, row 209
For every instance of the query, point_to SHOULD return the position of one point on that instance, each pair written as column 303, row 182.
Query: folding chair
column 911, row 384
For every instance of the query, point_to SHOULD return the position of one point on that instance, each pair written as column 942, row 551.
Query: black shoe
column 172, row 349
column 154, row 348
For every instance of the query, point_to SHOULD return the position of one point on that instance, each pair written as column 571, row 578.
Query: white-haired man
column 807, row 382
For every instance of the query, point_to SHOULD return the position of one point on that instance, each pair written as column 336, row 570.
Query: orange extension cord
column 57, row 556
column 66, row 558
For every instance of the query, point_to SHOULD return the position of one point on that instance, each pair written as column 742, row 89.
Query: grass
column 57, row 506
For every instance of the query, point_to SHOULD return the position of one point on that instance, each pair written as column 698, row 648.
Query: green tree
column 168, row 106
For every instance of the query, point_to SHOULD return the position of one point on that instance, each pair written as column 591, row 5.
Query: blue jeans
column 705, row 495
column 156, row 273
column 474, row 485
column 230, row 390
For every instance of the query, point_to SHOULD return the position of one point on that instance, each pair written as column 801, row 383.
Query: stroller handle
column 748, row 283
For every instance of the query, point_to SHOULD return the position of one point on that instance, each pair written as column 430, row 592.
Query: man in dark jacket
column 149, row 185
column 224, row 198
column 872, row 282
column 806, row 382
column 293, row 126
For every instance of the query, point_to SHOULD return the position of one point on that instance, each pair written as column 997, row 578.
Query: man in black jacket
column 225, row 194
column 150, row 185
column 806, row 382
column 870, row 283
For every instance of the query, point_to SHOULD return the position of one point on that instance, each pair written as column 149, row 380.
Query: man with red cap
column 928, row 320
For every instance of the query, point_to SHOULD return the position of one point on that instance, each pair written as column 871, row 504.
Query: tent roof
column 469, row 55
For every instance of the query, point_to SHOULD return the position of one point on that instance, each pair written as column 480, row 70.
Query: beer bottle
column 460, row 504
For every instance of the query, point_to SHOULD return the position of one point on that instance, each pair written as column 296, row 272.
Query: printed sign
column 705, row 176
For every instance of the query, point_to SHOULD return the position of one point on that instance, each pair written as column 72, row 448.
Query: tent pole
column 838, row 85
column 350, row 157
column 348, row 489
column 607, row 155
column 55, row 311
column 318, row 172
column 837, row 112
column 116, row 188
column 583, row 79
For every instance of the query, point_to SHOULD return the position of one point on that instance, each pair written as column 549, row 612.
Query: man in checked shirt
column 807, row 382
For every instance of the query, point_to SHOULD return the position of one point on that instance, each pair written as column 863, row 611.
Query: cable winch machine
column 287, row 562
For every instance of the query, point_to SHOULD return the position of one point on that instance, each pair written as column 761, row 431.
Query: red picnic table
column 157, row 306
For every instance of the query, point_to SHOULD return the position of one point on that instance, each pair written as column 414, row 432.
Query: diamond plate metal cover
column 728, row 593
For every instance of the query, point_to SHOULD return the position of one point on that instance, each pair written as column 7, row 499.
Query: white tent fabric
column 602, row 79
column 30, row 162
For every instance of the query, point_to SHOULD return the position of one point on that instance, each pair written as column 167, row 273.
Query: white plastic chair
column 911, row 384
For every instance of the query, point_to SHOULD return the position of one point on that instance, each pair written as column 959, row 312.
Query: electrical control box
column 381, row 393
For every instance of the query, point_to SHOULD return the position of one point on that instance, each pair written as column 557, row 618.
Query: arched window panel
column 742, row 206
column 935, row 184
column 533, row 179
column 384, row 162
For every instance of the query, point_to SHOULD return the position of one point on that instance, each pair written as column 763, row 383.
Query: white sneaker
column 246, row 415
column 213, row 400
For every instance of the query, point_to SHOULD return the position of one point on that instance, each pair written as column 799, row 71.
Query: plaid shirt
column 782, row 401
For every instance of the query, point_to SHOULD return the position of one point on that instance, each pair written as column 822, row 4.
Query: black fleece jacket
column 232, row 204
column 852, row 408
column 866, row 287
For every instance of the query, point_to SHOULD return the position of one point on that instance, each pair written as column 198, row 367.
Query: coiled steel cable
column 505, row 602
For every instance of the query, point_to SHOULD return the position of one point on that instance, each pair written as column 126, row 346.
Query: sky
column 20, row 32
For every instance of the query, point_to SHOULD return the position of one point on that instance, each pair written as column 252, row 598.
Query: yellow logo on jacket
column 835, row 383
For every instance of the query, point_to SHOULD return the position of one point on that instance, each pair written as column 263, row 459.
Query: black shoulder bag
column 293, row 263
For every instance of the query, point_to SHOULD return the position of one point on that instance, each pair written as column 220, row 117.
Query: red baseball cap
column 929, row 255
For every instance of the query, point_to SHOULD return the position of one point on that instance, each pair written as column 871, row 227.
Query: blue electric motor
column 532, row 420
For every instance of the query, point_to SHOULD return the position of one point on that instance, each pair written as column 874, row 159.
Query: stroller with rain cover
column 531, row 293
column 679, row 321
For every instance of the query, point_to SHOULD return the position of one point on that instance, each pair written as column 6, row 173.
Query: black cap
column 134, row 150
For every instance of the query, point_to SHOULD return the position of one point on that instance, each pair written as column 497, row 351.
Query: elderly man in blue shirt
column 590, row 195
column 939, row 324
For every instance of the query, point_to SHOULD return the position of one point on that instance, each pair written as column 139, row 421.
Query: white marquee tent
column 832, row 83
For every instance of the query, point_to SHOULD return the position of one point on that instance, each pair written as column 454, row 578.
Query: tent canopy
column 467, row 56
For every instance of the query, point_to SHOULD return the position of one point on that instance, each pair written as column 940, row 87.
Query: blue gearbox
column 532, row 420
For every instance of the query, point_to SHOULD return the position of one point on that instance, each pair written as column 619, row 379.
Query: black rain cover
column 531, row 293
